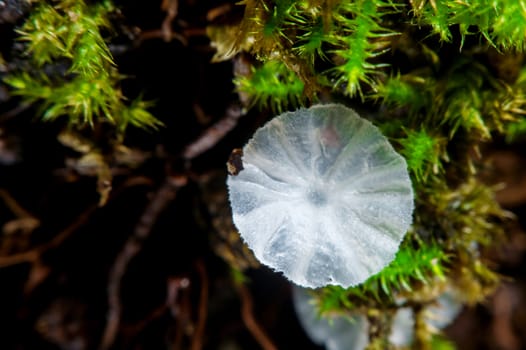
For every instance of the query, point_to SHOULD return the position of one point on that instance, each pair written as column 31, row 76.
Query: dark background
column 56, row 296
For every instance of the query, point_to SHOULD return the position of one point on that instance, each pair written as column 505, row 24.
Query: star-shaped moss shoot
column 323, row 197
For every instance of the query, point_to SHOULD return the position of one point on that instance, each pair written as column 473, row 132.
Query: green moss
column 310, row 45
column 436, row 88
column 511, row 105
column 88, row 95
column 361, row 39
column 70, row 31
column 414, row 263
column 404, row 91
column 424, row 69
column 501, row 23
column 516, row 131
column 422, row 152
column 439, row 342
column 272, row 85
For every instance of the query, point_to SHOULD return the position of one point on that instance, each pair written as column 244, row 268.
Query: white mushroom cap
column 335, row 331
column 350, row 331
column 323, row 197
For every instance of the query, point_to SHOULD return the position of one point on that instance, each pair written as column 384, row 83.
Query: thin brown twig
column 174, row 298
column 158, row 312
column 218, row 11
column 164, row 195
column 171, row 7
column 19, row 258
column 25, row 221
column 211, row 136
column 197, row 337
column 14, row 206
column 34, row 254
column 174, row 287
column 15, row 111
column 160, row 34
column 250, row 322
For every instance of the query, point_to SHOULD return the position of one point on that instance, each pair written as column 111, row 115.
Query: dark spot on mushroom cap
column 235, row 162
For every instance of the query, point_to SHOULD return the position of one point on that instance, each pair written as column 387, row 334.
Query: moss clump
column 430, row 73
column 69, row 33
column 268, row 81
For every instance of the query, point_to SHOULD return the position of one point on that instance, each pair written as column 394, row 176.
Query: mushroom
column 323, row 197
column 350, row 330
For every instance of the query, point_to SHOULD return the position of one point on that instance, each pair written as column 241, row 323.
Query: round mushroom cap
column 334, row 331
column 350, row 330
column 323, row 197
